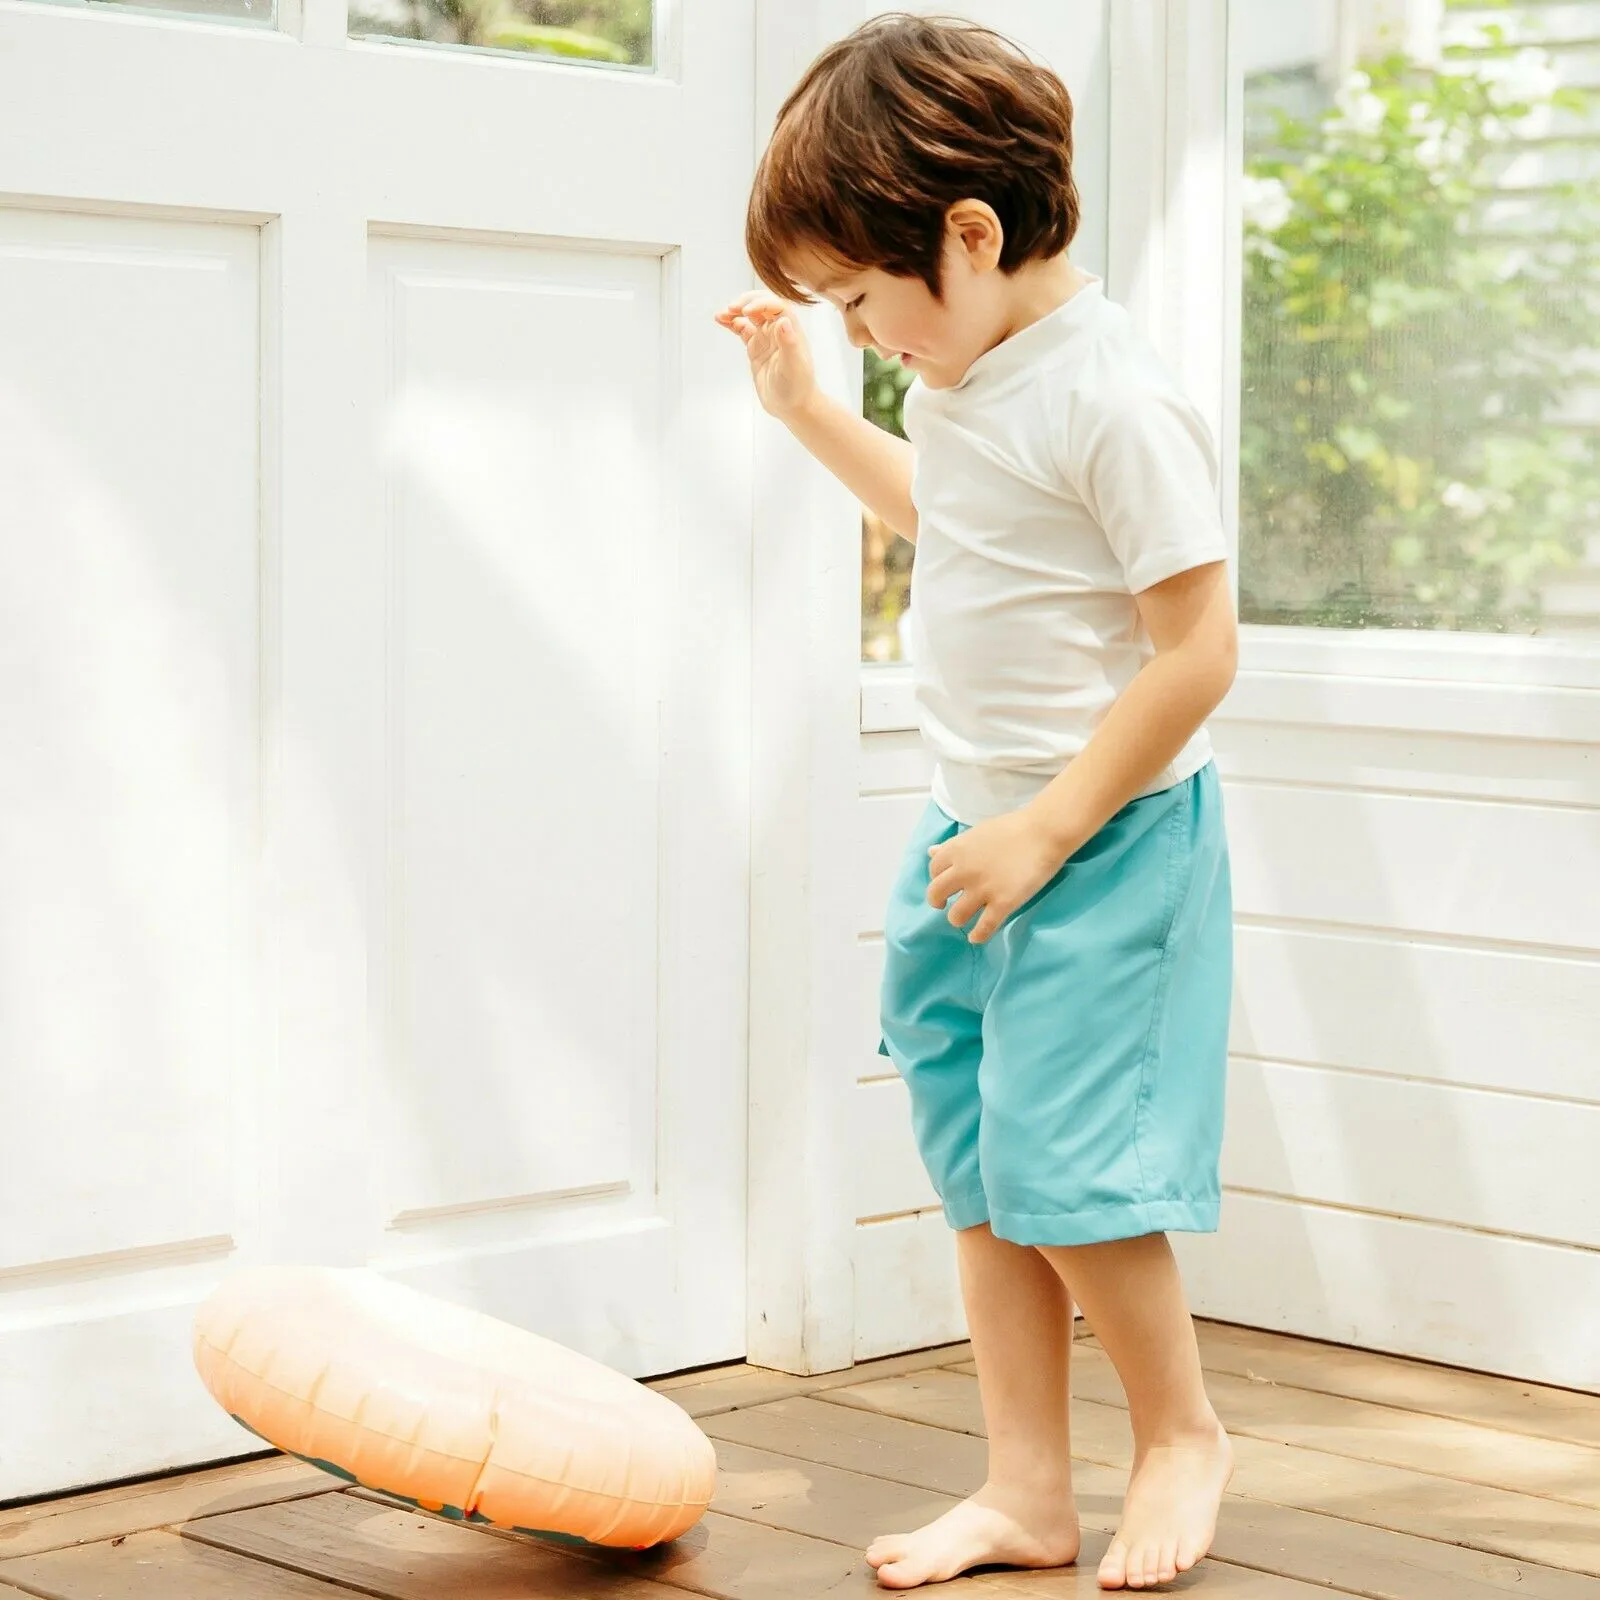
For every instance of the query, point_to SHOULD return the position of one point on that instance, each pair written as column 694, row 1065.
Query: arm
column 873, row 465
column 1190, row 619
column 1001, row 864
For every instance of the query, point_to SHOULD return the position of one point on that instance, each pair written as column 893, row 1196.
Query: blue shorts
column 1067, row 1078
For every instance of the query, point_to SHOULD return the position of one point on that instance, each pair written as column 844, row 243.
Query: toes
column 1142, row 1567
column 1114, row 1568
column 885, row 1550
column 899, row 1575
column 1168, row 1567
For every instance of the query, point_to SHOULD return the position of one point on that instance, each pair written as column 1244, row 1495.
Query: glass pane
column 615, row 33
column 885, row 556
column 263, row 12
column 1420, row 421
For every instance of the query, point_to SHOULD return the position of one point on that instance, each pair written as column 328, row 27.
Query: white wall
column 1413, row 1102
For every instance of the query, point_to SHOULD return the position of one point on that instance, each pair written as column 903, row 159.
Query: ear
column 973, row 229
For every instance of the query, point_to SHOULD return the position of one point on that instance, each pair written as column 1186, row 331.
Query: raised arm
column 873, row 465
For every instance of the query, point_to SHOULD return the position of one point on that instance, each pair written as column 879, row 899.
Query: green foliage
column 883, row 392
column 1407, row 354
column 619, row 32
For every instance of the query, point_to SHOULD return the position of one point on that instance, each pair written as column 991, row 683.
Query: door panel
column 373, row 697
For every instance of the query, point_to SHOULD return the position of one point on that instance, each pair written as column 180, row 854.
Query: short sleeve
column 1143, row 462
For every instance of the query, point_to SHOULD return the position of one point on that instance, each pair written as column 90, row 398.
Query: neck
column 1037, row 289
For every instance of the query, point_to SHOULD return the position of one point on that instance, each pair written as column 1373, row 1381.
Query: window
column 617, row 33
column 885, row 556
column 1420, row 410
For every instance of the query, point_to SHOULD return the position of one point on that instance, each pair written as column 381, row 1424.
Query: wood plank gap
column 1461, row 1393
column 1345, row 1209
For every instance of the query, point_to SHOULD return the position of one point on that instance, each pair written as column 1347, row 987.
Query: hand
column 780, row 358
column 992, row 869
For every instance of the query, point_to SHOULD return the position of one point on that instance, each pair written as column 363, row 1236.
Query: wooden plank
column 1440, row 1446
column 1494, row 1304
column 1293, row 1543
column 907, row 1289
column 158, row 1503
column 884, row 825
column 1503, row 1403
column 402, row 1555
column 1493, row 1019
column 1438, row 1152
column 1524, row 1527
column 890, row 1179
column 724, row 1556
column 1471, row 765
column 828, row 1502
column 1465, row 868
column 860, row 996
column 696, row 1380
column 754, row 1386
column 158, row 1566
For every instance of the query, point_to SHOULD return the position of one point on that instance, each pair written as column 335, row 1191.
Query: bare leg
column 1020, row 1320
column 1132, row 1296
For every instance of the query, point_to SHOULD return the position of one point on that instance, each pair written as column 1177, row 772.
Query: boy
column 1059, row 944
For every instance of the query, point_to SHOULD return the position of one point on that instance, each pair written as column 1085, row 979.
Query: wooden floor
column 1358, row 1475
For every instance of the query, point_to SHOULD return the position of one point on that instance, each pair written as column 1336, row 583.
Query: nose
column 856, row 330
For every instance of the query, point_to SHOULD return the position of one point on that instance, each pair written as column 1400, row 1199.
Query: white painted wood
column 1427, row 1151
column 895, row 763
column 890, row 1177
column 884, row 825
column 864, row 984
column 1409, row 761
column 804, row 709
column 1469, row 1299
column 128, row 683
column 375, row 713
column 512, row 1078
column 1340, row 688
column 1401, row 653
column 908, row 1294
column 1453, row 868
column 1484, row 1018
column 1347, row 699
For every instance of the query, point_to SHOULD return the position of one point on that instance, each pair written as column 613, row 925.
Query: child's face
column 938, row 339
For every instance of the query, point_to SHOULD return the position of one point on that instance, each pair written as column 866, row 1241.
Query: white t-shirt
column 1064, row 474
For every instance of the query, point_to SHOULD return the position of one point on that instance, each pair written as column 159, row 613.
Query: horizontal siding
column 1500, row 872
column 884, row 824
column 1501, row 1163
column 908, row 1296
column 866, row 974
column 1411, row 1288
column 1488, row 1019
column 890, row 1179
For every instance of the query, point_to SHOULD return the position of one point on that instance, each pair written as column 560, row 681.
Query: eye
column 850, row 305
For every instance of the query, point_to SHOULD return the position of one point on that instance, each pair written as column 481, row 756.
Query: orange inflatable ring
column 449, row 1410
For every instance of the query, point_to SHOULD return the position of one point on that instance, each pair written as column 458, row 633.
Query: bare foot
column 1170, row 1515
column 996, row 1527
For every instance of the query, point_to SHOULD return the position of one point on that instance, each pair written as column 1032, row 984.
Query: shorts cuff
column 966, row 1211
column 1107, row 1225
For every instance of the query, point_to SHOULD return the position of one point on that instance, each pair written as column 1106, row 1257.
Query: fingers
column 754, row 311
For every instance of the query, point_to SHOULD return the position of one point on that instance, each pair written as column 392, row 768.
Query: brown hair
column 892, row 126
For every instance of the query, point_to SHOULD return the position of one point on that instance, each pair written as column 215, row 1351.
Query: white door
column 374, row 501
